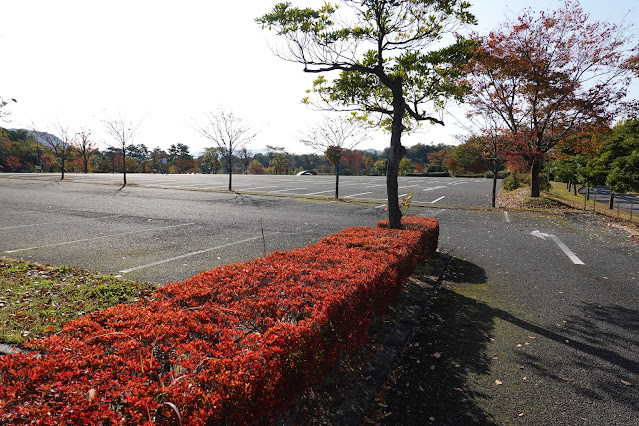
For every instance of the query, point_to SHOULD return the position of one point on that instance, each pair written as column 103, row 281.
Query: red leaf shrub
column 232, row 345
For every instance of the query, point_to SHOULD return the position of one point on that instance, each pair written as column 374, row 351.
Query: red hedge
column 235, row 344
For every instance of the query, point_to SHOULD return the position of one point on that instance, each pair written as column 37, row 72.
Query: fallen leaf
column 566, row 379
column 421, row 389
column 520, row 415
column 369, row 421
column 458, row 389
column 437, row 355
column 626, row 383
column 524, row 378
column 431, row 418
column 498, row 382
column 432, row 367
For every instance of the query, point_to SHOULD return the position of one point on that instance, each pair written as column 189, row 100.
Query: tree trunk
column 337, row 181
column 534, row 178
column 611, row 201
column 124, row 165
column 62, row 161
column 230, row 164
column 494, row 184
column 397, row 151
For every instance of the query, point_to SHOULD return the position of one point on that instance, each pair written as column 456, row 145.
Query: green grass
column 36, row 300
column 559, row 192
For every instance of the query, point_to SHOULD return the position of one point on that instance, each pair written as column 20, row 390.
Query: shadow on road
column 449, row 344
column 438, row 377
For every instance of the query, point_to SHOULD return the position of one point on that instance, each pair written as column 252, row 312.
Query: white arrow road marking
column 434, row 201
column 572, row 256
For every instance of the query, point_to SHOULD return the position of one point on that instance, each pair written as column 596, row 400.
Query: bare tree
column 332, row 137
column 229, row 133
column 85, row 147
column 3, row 112
column 61, row 143
column 245, row 158
column 122, row 132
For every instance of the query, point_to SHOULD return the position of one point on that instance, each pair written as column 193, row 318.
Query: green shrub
column 512, row 182
column 517, row 180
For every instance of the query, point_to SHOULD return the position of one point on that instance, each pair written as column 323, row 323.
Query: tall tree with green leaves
column 392, row 70
column 617, row 162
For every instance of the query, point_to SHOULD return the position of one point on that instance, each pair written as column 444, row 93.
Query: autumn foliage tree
column 551, row 74
column 393, row 70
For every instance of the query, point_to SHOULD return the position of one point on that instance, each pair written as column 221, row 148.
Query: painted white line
column 572, row 256
column 259, row 187
column 321, row 192
column 403, row 195
column 380, row 206
column 56, row 223
column 433, row 188
column 434, row 201
column 284, row 190
column 159, row 262
column 96, row 238
column 355, row 195
column 434, row 213
column 506, row 216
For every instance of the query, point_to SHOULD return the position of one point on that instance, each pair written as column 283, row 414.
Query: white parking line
column 380, row 206
column 259, row 187
column 284, row 190
column 96, row 238
column 56, row 223
column 433, row 188
column 434, row 201
column 321, row 192
column 355, row 195
column 159, row 262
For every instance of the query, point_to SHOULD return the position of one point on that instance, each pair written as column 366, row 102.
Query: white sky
column 168, row 62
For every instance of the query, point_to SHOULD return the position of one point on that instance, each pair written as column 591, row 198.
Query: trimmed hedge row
column 232, row 345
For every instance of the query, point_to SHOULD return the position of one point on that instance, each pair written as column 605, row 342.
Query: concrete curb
column 359, row 399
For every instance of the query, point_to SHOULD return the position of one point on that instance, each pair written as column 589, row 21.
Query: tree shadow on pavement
column 592, row 356
column 449, row 344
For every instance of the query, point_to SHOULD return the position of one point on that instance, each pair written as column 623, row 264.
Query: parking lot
column 425, row 190
column 167, row 228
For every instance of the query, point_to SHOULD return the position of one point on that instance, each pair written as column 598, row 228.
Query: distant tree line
column 27, row 151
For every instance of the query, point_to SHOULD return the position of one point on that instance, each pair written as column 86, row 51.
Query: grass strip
column 37, row 300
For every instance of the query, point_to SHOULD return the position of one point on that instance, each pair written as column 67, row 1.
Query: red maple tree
column 549, row 75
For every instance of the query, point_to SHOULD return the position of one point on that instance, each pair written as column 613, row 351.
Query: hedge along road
column 581, row 317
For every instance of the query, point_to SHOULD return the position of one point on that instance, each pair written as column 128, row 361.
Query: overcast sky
column 168, row 62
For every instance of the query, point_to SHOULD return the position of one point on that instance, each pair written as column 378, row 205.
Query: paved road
column 425, row 190
column 601, row 194
column 527, row 332
column 558, row 295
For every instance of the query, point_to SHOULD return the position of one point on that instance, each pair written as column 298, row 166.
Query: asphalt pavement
column 538, row 317
column 536, row 324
